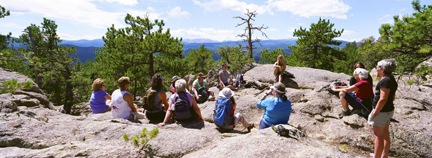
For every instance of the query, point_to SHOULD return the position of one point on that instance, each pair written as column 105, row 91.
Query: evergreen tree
column 349, row 56
column 53, row 61
column 314, row 46
column 138, row 51
column 200, row 60
column 410, row 38
column 271, row 57
column 235, row 58
column 4, row 38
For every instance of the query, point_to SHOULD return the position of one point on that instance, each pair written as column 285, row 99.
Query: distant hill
column 85, row 48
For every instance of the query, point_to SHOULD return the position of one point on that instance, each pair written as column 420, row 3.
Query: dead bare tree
column 248, row 31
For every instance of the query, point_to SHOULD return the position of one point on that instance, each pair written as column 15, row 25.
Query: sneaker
column 250, row 127
column 211, row 98
column 344, row 113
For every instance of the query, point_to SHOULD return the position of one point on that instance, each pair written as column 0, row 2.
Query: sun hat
column 174, row 78
column 201, row 75
column 226, row 93
column 278, row 87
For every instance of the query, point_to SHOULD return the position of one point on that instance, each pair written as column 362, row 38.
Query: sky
column 205, row 19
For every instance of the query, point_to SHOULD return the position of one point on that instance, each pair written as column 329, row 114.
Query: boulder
column 7, row 105
column 41, row 97
column 8, row 75
column 189, row 80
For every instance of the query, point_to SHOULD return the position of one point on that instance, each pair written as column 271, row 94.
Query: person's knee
column 342, row 94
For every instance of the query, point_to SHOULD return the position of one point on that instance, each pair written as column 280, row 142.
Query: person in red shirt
column 361, row 99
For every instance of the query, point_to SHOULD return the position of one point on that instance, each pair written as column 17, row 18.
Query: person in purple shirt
column 100, row 101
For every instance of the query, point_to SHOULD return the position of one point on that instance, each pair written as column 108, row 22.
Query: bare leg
column 386, row 141
column 343, row 100
column 379, row 141
column 239, row 118
column 280, row 78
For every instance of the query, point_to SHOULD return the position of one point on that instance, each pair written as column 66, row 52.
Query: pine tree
column 314, row 46
column 4, row 38
column 200, row 60
column 410, row 38
column 234, row 57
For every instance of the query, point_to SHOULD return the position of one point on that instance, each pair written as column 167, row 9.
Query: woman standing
column 279, row 68
column 383, row 107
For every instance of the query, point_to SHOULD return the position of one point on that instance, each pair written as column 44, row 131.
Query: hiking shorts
column 353, row 100
column 157, row 116
column 380, row 120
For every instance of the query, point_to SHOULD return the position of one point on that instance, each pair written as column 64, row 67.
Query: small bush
column 154, row 133
column 135, row 140
column 28, row 85
column 143, row 133
column 126, row 137
column 144, row 141
column 9, row 86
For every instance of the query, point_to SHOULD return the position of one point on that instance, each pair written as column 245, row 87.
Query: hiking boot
column 250, row 127
column 344, row 113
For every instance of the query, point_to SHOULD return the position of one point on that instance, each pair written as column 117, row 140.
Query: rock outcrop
column 34, row 131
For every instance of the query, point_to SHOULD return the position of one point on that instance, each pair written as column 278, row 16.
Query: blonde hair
column 97, row 84
column 123, row 81
column 283, row 60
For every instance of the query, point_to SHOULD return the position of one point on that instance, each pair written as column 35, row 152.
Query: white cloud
column 219, row 5
column 403, row 9
column 391, row 21
column 384, row 17
column 12, row 25
column 206, row 33
column 66, row 36
column 321, row 8
column 177, row 13
column 17, row 13
column 124, row 2
column 292, row 29
column 76, row 11
column 150, row 9
column 349, row 33
column 142, row 14
column 348, row 39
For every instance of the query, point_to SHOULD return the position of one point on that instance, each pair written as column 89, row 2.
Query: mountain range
column 86, row 48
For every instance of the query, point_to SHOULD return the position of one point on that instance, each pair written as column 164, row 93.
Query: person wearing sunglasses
column 100, row 101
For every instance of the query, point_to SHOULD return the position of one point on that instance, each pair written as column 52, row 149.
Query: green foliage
column 143, row 133
column 9, row 86
column 4, row 39
column 153, row 133
column 28, row 85
column 271, row 57
column 200, row 60
column 138, row 51
column 126, row 137
column 409, row 39
column 313, row 46
column 234, row 56
column 135, row 140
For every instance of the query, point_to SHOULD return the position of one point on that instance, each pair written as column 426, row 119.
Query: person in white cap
column 277, row 108
column 226, row 98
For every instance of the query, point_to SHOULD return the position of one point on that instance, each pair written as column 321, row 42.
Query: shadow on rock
column 193, row 124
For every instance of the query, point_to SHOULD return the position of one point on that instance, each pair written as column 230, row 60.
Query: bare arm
column 128, row 98
column 384, row 93
column 196, row 91
column 283, row 68
column 108, row 97
column 167, row 115
column 349, row 89
column 195, row 107
column 162, row 96
column 230, row 76
column 220, row 80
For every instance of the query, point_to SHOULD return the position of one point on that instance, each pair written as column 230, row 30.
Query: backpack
column 222, row 112
column 239, row 80
column 203, row 95
column 149, row 101
column 182, row 107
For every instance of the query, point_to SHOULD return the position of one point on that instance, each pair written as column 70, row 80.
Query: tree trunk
column 38, row 80
column 250, row 40
column 68, row 93
column 57, row 94
column 135, row 89
column 151, row 71
column 315, row 56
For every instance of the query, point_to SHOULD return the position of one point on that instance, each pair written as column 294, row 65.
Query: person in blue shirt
column 100, row 101
column 277, row 107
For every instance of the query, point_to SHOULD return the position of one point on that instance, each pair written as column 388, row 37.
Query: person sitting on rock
column 226, row 105
column 122, row 102
column 156, row 102
column 182, row 105
column 100, row 101
column 361, row 99
column 353, row 80
column 277, row 108
column 224, row 75
column 279, row 68
column 200, row 89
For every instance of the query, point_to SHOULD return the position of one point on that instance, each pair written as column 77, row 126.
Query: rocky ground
column 30, row 129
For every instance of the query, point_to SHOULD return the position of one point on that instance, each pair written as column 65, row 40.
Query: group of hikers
column 182, row 105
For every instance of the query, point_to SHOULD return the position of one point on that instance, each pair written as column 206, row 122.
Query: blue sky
column 205, row 19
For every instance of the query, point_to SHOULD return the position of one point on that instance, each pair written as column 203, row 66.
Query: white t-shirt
column 120, row 107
